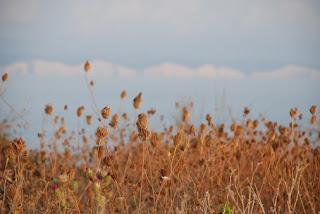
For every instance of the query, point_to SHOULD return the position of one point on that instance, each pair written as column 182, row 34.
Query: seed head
column 4, row 77
column 209, row 119
column 105, row 112
column 142, row 122
column 80, row 111
column 101, row 132
column 137, row 101
column 87, row 66
column 89, row 119
column 246, row 111
column 185, row 114
column 123, row 94
column 48, row 109
column 293, row 113
column 142, row 125
column 114, row 121
column 313, row 109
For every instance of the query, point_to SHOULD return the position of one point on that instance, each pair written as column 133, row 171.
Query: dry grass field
column 251, row 166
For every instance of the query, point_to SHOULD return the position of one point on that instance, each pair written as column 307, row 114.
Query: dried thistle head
column 142, row 125
column 80, row 111
column 4, row 77
column 91, row 83
column 17, row 147
column 142, row 122
column 123, row 94
column 209, row 119
column 65, row 107
column 293, row 113
column 87, row 66
column 101, row 133
column 105, row 112
column 125, row 116
column 246, row 111
column 48, row 109
column 137, row 101
column 185, row 114
column 89, row 119
column 313, row 110
column 114, row 121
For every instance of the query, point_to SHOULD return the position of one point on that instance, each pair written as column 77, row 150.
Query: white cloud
column 223, row 72
column 169, row 70
column 54, row 68
column 290, row 71
column 18, row 67
column 175, row 70
column 101, row 68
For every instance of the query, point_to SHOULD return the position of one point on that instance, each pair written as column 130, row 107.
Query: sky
column 261, row 53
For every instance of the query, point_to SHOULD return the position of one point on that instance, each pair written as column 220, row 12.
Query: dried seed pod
column 142, row 124
column 105, row 112
column 185, row 114
column 313, row 110
column 137, row 101
column 87, row 66
column 123, row 94
column 114, row 121
column 209, row 119
column 48, row 109
column 293, row 113
column 89, row 119
column 80, row 111
column 101, row 132
column 4, row 77
column 246, row 111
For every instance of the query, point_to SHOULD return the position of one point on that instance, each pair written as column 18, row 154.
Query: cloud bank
column 167, row 70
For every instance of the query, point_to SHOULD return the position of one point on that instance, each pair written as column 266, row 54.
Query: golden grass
column 253, row 166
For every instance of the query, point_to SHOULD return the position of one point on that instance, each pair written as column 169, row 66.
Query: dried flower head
column 65, row 107
column 137, row 101
column 89, row 119
column 209, row 119
column 125, row 116
column 91, row 83
column 114, row 121
column 142, row 124
column 48, row 109
column 101, row 132
column 293, row 113
column 4, row 77
column 105, row 112
column 185, row 114
column 87, row 66
column 313, row 110
column 246, row 111
column 123, row 94
column 80, row 111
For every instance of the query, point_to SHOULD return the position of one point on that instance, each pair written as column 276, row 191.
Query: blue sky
column 261, row 53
